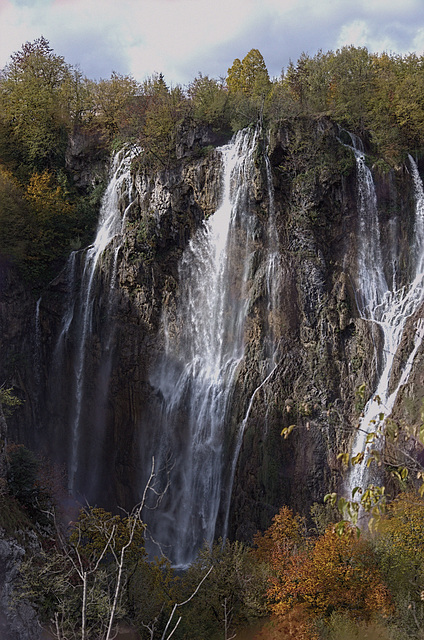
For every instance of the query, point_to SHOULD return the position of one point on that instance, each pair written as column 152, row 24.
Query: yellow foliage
column 336, row 572
column 97, row 530
column 46, row 199
column 403, row 525
column 294, row 625
column 282, row 537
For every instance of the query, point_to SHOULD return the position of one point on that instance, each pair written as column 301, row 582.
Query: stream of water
column 204, row 346
column 385, row 306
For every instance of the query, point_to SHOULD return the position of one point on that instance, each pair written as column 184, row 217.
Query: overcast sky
column 182, row 37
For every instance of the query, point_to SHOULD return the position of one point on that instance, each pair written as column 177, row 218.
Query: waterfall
column 204, row 345
column 80, row 302
column 273, row 278
column 273, row 269
column 385, row 307
column 37, row 350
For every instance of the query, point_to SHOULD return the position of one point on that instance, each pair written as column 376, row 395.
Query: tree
column 331, row 573
column 210, row 101
column 249, row 76
column 400, row 551
column 82, row 583
column 33, row 102
column 77, row 587
column 234, row 593
column 234, row 77
column 165, row 112
column 285, row 534
column 112, row 99
column 15, row 217
column 52, row 223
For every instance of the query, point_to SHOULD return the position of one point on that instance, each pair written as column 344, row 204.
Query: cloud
column 182, row 37
column 390, row 36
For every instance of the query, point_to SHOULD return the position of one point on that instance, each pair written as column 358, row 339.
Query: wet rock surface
column 325, row 350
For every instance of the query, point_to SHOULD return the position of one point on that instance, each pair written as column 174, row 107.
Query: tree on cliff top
column 249, row 76
column 33, row 100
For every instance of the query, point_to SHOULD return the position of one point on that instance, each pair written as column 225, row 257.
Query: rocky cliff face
column 304, row 357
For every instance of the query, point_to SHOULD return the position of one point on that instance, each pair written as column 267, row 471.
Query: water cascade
column 204, row 346
column 78, row 310
column 386, row 307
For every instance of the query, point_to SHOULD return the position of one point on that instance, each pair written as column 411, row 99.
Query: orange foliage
column 294, row 625
column 330, row 573
column 281, row 539
column 47, row 198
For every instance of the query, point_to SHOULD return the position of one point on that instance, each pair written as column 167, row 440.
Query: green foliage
column 250, row 76
column 209, row 102
column 248, row 86
column 376, row 96
column 323, row 515
column 43, row 100
column 8, row 400
column 28, row 484
column 113, row 101
column 14, row 519
column 15, row 218
column 165, row 111
column 33, row 103
column 80, row 584
column 22, row 474
column 233, row 593
column 400, row 547
column 52, row 223
column 153, row 589
column 97, row 530
column 342, row 627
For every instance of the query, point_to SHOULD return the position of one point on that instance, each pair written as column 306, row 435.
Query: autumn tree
column 249, row 76
column 286, row 533
column 330, row 573
column 400, row 550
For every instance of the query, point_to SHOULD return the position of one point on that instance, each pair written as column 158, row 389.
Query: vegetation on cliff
column 90, row 574
column 314, row 583
column 45, row 103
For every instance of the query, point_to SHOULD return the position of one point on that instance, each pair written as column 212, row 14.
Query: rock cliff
column 304, row 357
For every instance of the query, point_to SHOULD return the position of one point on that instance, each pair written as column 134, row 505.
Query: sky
column 181, row 38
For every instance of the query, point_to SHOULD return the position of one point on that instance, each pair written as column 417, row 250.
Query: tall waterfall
column 77, row 319
column 384, row 305
column 204, row 345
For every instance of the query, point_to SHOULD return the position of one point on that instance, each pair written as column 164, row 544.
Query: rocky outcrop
column 18, row 620
column 322, row 350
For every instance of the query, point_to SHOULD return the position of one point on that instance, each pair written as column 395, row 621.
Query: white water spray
column 389, row 309
column 110, row 226
column 204, row 347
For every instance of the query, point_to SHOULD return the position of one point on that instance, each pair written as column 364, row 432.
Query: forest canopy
column 45, row 102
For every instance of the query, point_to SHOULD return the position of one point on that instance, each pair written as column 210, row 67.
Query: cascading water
column 37, row 351
column 204, row 345
column 385, row 307
column 78, row 316
column 273, row 277
column 273, row 268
